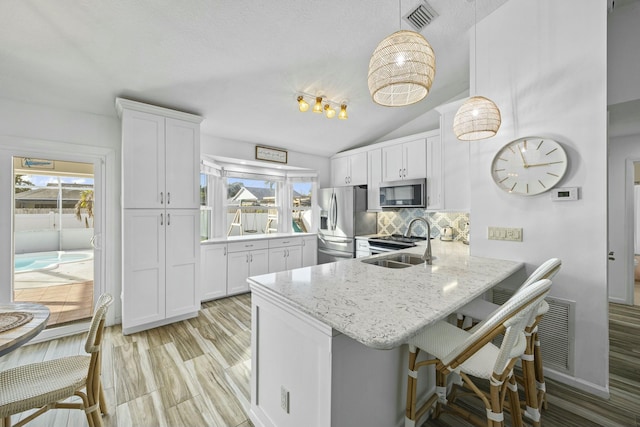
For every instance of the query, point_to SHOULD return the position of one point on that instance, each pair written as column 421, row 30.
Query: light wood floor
column 196, row 373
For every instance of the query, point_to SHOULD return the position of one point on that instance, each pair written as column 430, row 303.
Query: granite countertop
column 383, row 307
column 249, row 237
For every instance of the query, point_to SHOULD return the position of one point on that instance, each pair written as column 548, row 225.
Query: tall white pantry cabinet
column 160, row 215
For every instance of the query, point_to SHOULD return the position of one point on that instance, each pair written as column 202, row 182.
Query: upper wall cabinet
column 349, row 170
column 407, row 160
column 160, row 157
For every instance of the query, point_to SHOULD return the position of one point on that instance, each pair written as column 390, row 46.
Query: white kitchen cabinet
column 160, row 266
column 161, row 217
column 374, row 178
column 213, row 271
column 349, row 170
column 309, row 250
column 407, row 160
column 160, row 158
column 245, row 259
column 285, row 254
column 362, row 247
column 455, row 178
column 434, row 173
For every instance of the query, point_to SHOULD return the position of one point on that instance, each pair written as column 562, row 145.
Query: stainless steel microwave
column 403, row 194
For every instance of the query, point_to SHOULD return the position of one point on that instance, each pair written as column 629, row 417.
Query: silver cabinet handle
column 247, row 258
column 400, row 172
column 161, row 198
column 224, row 251
column 161, row 219
column 168, row 198
column 612, row 256
column 168, row 219
column 251, row 257
column 404, row 172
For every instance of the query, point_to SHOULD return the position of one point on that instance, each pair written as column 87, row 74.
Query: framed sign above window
column 271, row 154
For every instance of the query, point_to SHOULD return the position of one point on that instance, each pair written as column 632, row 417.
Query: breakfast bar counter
column 321, row 332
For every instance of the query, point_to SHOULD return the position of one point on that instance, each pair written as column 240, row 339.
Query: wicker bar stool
column 532, row 369
column 46, row 384
column 471, row 353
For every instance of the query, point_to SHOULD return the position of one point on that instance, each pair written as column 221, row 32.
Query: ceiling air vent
column 421, row 16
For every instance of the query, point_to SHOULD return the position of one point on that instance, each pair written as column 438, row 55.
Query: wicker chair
column 471, row 353
column 46, row 384
column 532, row 370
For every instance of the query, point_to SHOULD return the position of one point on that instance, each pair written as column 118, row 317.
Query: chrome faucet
column 427, row 253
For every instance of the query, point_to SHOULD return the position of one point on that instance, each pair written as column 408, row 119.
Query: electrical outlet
column 505, row 233
column 284, row 399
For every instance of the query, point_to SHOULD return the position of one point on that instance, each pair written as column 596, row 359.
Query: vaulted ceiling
column 240, row 63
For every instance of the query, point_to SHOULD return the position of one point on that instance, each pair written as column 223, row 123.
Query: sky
column 43, row 180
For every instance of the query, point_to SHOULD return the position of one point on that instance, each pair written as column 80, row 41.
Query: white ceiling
column 240, row 63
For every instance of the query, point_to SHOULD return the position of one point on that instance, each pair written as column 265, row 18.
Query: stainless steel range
column 394, row 242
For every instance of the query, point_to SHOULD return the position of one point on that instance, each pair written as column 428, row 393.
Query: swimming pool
column 46, row 260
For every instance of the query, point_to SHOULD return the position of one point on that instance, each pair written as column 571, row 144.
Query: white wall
column 545, row 67
column 624, row 56
column 29, row 129
column 243, row 150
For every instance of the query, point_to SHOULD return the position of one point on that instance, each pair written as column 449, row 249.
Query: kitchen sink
column 386, row 263
column 402, row 260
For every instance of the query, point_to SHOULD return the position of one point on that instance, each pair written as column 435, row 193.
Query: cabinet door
column 143, row 265
column 143, row 160
column 258, row 263
column 309, row 251
column 294, row 257
column 182, row 261
column 434, row 173
column 277, row 260
column 182, row 173
column 340, row 171
column 237, row 272
column 392, row 165
column 358, row 169
column 415, row 159
column 213, row 271
column 374, row 172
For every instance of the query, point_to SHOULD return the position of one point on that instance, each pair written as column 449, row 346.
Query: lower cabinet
column 245, row 259
column 225, row 266
column 213, row 271
column 160, row 264
column 285, row 254
column 309, row 250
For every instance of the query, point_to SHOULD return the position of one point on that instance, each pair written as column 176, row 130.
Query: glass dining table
column 19, row 323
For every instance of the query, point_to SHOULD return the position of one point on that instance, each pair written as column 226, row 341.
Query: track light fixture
column 322, row 104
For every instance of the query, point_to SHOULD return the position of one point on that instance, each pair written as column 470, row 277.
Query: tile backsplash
column 396, row 222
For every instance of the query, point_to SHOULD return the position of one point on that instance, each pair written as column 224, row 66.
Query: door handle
column 168, row 198
column 161, row 219
column 612, row 256
column 161, row 198
column 168, row 219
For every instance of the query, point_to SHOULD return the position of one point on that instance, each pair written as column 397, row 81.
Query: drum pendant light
column 478, row 117
column 401, row 69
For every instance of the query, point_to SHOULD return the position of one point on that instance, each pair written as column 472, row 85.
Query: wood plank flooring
column 196, row 373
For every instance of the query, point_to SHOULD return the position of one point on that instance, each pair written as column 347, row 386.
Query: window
column 301, row 205
column 205, row 208
column 251, row 206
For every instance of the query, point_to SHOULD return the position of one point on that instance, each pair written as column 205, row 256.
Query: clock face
column 529, row 166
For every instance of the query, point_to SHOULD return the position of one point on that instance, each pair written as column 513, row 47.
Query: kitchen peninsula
column 327, row 342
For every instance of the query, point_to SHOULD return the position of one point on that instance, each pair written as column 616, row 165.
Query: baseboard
column 588, row 387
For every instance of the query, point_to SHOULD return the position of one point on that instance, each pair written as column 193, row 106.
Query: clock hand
column 543, row 164
column 524, row 162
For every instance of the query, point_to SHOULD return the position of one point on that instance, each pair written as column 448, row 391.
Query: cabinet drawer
column 362, row 245
column 281, row 243
column 248, row 245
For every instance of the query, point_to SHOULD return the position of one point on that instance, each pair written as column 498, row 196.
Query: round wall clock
column 529, row 166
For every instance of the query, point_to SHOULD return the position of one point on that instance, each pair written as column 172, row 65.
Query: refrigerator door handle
column 332, row 212
column 336, row 254
column 335, row 208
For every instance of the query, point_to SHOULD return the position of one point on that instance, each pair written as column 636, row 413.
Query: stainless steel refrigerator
column 343, row 215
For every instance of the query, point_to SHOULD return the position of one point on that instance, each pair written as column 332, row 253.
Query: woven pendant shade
column 401, row 69
column 477, row 118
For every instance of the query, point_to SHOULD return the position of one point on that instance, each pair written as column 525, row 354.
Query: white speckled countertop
column 383, row 307
column 248, row 237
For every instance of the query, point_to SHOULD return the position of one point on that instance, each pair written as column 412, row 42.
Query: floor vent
column 421, row 16
column 556, row 331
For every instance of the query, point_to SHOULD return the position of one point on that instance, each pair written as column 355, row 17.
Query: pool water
column 46, row 260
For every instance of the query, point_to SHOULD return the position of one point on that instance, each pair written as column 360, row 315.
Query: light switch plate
column 505, row 233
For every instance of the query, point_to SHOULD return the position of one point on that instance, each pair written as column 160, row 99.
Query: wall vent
column 556, row 331
column 421, row 16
